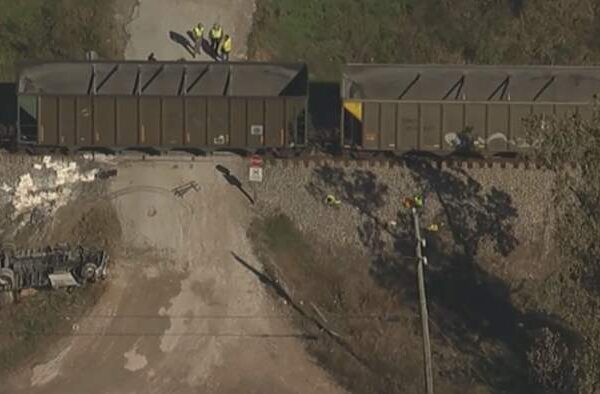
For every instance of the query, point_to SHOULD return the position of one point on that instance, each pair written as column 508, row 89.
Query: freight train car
column 405, row 108
column 163, row 105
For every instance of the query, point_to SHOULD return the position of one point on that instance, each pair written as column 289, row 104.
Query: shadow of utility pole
column 283, row 294
column 234, row 181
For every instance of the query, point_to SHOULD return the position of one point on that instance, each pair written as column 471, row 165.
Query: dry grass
column 328, row 33
column 376, row 346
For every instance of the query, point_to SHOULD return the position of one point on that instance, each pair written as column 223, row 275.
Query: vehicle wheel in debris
column 88, row 272
column 7, row 279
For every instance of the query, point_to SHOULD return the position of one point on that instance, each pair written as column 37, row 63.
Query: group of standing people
column 220, row 43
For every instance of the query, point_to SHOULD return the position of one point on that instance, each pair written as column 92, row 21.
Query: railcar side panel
column 84, row 121
column 475, row 122
column 497, row 126
column 239, row 135
column 127, row 122
column 274, row 123
column 218, row 122
column 518, row 114
column 48, row 123
column 453, row 124
column 255, row 126
column 430, row 127
column 150, row 122
column 172, row 118
column 195, row 122
column 67, row 128
column 408, row 127
column 371, row 130
column 104, row 121
column 387, row 116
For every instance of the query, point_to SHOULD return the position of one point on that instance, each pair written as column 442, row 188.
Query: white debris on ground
column 48, row 187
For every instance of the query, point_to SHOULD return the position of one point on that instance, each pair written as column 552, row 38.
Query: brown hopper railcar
column 163, row 105
column 429, row 108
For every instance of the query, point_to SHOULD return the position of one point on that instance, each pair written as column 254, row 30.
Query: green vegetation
column 54, row 29
column 328, row 33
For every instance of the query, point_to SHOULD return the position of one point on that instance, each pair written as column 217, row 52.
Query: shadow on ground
column 471, row 309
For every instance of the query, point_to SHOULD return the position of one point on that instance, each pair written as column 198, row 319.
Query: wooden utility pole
column 423, row 304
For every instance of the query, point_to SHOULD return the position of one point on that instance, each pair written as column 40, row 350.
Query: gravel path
column 158, row 26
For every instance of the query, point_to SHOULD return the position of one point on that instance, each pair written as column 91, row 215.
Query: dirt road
column 180, row 314
column 160, row 26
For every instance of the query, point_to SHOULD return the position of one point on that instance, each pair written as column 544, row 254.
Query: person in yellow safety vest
column 198, row 32
column 225, row 48
column 332, row 201
column 418, row 201
column 434, row 228
column 215, row 37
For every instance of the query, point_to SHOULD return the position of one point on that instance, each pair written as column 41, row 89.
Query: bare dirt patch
column 41, row 318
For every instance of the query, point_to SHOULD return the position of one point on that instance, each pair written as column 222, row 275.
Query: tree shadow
column 470, row 307
column 472, row 214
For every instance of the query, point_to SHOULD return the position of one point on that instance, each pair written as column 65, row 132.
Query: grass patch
column 55, row 29
column 379, row 345
column 328, row 33
column 39, row 320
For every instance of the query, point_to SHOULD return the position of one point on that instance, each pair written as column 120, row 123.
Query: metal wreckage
column 54, row 267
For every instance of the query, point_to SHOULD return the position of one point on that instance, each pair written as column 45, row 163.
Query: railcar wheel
column 88, row 272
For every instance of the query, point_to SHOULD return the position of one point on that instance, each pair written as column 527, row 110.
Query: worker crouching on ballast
column 331, row 201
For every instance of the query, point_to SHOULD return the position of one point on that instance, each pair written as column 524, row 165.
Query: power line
column 385, row 318
column 150, row 334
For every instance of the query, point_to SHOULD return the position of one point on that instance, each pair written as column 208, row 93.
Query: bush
column 548, row 360
column 54, row 29
column 328, row 33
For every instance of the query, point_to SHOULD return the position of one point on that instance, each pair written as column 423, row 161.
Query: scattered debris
column 47, row 188
column 182, row 190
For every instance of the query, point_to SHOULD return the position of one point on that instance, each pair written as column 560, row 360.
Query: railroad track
column 312, row 157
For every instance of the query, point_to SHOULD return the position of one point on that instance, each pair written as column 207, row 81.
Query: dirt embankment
column 44, row 202
column 503, row 215
column 495, row 235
